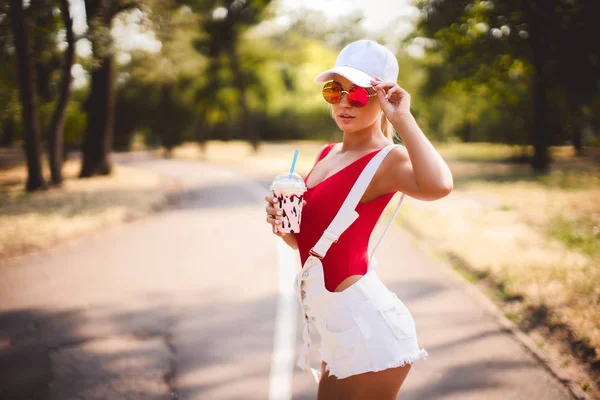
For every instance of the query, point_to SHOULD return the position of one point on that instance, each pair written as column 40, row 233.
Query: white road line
column 282, row 361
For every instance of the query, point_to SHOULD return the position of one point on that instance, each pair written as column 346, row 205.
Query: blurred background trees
column 157, row 73
column 533, row 61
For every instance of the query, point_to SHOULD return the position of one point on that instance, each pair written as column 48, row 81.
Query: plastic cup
column 289, row 192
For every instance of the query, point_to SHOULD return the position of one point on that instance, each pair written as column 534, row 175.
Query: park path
column 184, row 304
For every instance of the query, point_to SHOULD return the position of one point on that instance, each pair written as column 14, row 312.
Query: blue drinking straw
column 293, row 164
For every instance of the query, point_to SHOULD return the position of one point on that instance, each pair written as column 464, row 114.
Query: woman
column 368, row 336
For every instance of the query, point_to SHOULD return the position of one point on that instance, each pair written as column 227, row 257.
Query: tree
column 224, row 23
column 47, row 64
column 31, row 134
column 100, row 105
column 9, row 87
column 473, row 36
column 579, row 71
column 155, row 89
column 55, row 133
column 100, row 102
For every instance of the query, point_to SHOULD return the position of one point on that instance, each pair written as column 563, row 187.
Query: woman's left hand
column 394, row 101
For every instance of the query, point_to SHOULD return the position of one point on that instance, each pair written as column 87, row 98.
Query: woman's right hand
column 275, row 214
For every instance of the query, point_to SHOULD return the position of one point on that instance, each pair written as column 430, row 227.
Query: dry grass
column 270, row 158
column 37, row 220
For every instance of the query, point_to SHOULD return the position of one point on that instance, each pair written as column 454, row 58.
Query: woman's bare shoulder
column 398, row 154
column 398, row 172
column 325, row 150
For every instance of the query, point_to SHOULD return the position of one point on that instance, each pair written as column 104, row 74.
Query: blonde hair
column 387, row 128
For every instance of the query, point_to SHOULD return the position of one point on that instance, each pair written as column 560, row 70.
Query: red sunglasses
column 358, row 96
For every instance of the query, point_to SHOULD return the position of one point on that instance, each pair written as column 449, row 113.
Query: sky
column 377, row 13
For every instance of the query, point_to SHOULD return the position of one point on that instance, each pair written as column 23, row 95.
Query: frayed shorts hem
column 400, row 362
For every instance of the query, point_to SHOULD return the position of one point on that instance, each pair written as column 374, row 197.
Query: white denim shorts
column 364, row 328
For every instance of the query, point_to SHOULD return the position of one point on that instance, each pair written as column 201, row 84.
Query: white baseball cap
column 362, row 61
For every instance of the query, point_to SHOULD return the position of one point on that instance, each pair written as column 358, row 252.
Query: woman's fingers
column 271, row 199
column 380, row 85
column 272, row 220
column 273, row 214
column 394, row 91
column 271, row 209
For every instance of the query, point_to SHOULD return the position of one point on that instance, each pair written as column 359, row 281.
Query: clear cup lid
column 294, row 184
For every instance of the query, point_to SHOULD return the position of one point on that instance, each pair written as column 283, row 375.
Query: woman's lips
column 346, row 117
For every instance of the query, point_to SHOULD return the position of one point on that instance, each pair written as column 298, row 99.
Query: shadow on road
column 212, row 196
column 145, row 353
column 462, row 380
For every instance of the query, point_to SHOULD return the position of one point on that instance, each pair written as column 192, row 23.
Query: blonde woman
column 368, row 336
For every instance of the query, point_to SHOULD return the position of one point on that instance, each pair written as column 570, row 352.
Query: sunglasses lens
column 332, row 92
column 358, row 96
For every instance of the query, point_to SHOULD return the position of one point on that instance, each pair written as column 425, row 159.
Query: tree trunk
column 31, row 125
column 100, row 104
column 8, row 132
column 199, row 131
column 576, row 134
column 540, row 160
column 55, row 132
column 44, row 66
column 210, row 91
column 98, row 139
column 240, row 82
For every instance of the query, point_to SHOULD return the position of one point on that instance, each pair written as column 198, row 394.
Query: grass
column 271, row 157
column 33, row 221
column 578, row 233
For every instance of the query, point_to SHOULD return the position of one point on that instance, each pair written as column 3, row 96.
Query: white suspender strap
column 386, row 228
column 347, row 213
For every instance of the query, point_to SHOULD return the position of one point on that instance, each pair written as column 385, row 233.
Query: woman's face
column 350, row 118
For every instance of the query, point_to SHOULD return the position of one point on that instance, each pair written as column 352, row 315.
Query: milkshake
column 289, row 192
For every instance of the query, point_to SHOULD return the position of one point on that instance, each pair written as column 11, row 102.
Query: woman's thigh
column 327, row 385
column 382, row 385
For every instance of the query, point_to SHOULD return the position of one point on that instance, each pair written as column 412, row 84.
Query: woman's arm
column 417, row 169
column 289, row 239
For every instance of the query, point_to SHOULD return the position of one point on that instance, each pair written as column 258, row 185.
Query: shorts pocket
column 342, row 344
column 399, row 320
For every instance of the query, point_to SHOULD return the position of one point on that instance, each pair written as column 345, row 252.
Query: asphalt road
column 184, row 305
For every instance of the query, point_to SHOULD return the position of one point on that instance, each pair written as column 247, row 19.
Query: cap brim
column 352, row 74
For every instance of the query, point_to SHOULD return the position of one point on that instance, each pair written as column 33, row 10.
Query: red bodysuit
column 349, row 255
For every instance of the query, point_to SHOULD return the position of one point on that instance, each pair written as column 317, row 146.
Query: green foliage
column 9, row 90
column 289, row 124
column 75, row 123
column 160, row 112
column 581, row 233
column 480, row 65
